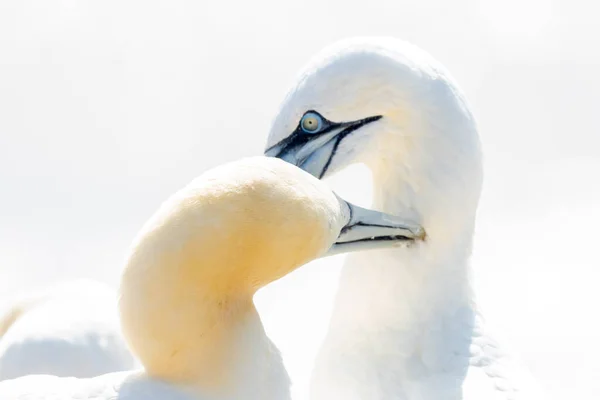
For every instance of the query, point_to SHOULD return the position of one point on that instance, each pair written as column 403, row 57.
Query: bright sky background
column 107, row 107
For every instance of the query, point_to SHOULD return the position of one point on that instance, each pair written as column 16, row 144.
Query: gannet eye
column 311, row 122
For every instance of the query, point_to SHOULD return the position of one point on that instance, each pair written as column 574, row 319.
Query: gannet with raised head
column 71, row 329
column 405, row 323
column 186, row 291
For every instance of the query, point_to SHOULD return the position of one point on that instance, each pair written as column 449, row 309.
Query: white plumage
column 405, row 324
column 71, row 329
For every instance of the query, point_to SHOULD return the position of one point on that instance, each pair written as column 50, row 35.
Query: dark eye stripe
column 300, row 137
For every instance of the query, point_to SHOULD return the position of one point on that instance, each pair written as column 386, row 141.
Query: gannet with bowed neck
column 405, row 324
column 71, row 329
column 186, row 291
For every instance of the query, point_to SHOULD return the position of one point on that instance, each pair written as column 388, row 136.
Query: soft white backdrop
column 108, row 107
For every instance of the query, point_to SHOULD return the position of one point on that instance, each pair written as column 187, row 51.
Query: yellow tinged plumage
column 196, row 264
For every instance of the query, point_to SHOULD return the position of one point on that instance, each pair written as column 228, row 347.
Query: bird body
column 71, row 329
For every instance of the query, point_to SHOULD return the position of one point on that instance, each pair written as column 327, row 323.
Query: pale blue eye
column 311, row 122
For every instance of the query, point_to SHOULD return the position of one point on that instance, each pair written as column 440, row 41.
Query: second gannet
column 405, row 324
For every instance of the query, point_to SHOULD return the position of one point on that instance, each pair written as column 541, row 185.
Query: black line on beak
column 359, row 223
column 378, row 239
column 352, row 126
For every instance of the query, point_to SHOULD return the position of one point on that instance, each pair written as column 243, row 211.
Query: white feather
column 69, row 330
column 405, row 324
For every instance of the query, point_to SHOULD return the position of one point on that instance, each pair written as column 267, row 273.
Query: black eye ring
column 311, row 123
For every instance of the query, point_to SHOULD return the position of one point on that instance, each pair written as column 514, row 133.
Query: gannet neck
column 426, row 164
column 404, row 292
column 194, row 335
column 404, row 315
column 186, row 291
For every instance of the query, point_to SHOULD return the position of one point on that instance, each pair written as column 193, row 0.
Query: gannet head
column 390, row 105
column 231, row 231
column 252, row 221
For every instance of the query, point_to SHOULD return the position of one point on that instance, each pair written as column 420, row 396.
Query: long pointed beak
column 314, row 152
column 369, row 230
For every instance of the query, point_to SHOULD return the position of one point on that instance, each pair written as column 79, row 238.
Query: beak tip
column 420, row 233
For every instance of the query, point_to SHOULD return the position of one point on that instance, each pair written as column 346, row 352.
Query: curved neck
column 409, row 289
column 186, row 332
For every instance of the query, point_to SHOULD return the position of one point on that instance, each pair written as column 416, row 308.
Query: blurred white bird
column 71, row 329
column 186, row 292
column 405, row 323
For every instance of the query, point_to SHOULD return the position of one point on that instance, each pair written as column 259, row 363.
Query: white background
column 107, row 107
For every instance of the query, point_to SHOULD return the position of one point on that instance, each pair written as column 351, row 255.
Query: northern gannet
column 186, row 291
column 71, row 329
column 405, row 324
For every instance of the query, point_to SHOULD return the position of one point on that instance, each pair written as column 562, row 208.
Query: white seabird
column 405, row 324
column 71, row 329
column 186, row 291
